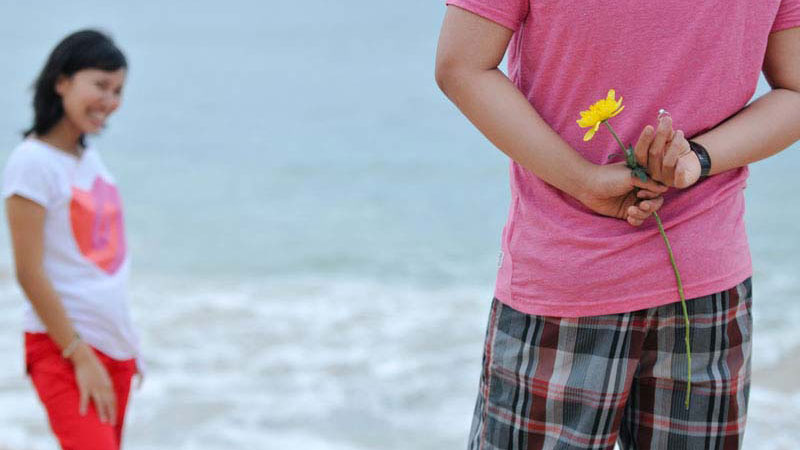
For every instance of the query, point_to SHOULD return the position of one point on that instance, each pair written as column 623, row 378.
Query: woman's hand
column 613, row 192
column 666, row 155
column 94, row 383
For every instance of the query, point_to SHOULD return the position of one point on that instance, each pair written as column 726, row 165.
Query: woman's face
column 90, row 96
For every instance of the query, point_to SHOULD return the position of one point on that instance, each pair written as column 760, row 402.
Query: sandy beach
column 774, row 409
column 782, row 377
column 773, row 413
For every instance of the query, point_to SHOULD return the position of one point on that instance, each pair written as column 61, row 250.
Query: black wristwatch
column 702, row 155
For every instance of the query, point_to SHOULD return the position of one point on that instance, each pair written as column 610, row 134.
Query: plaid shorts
column 588, row 382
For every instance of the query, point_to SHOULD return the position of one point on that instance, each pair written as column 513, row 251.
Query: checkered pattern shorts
column 590, row 382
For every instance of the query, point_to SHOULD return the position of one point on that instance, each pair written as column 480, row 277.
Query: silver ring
column 663, row 113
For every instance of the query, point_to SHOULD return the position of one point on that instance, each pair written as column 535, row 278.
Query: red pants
column 54, row 380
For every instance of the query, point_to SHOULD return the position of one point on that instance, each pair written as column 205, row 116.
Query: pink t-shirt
column 698, row 60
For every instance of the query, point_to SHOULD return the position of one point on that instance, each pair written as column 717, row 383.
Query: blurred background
column 315, row 229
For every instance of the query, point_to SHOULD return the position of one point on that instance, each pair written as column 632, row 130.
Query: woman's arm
column 470, row 50
column 26, row 223
column 765, row 127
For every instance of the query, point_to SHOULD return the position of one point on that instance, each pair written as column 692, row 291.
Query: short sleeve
column 508, row 13
column 788, row 15
column 26, row 175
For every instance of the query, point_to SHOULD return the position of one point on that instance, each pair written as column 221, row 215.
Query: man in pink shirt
column 585, row 340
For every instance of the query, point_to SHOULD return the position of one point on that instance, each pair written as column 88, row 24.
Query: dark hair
column 84, row 49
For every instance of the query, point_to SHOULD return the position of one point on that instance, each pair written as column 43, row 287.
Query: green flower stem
column 683, row 305
column 677, row 277
column 608, row 125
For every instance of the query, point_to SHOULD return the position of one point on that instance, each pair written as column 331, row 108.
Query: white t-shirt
column 85, row 254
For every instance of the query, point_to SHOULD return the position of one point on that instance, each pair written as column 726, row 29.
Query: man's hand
column 666, row 155
column 613, row 192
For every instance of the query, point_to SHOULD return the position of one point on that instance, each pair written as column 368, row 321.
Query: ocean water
column 314, row 228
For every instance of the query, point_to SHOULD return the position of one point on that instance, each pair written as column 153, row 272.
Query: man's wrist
column 586, row 182
column 702, row 156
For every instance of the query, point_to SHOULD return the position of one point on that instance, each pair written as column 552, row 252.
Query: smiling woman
column 89, row 97
column 67, row 232
column 78, row 88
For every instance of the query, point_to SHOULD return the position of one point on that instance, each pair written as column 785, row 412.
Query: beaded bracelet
column 70, row 349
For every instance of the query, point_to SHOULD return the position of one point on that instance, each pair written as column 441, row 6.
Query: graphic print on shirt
column 97, row 225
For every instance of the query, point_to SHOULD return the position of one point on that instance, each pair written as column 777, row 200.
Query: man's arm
column 470, row 50
column 765, row 127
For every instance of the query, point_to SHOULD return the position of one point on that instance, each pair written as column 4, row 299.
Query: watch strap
column 703, row 157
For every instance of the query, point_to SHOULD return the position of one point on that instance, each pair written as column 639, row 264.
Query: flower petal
column 599, row 112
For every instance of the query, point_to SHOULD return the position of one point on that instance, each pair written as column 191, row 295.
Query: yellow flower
column 598, row 113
